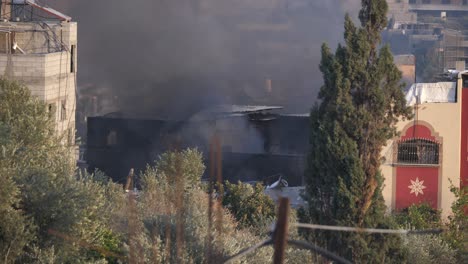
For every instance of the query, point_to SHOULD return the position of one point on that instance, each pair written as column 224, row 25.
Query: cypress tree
column 360, row 103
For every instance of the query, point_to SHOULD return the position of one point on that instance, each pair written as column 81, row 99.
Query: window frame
column 413, row 156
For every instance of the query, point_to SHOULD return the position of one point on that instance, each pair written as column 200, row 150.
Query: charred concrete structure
column 38, row 47
column 258, row 144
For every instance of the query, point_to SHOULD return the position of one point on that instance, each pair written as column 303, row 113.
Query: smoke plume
column 169, row 58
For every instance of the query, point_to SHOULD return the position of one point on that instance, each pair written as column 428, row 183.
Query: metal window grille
column 418, row 151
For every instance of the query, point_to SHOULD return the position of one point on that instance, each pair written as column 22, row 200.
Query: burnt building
column 257, row 142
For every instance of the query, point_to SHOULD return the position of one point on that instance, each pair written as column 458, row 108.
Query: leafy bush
column 457, row 227
column 172, row 217
column 426, row 249
column 450, row 246
column 167, row 210
column 249, row 204
column 419, row 216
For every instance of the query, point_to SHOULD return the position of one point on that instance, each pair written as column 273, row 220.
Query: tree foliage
column 188, row 163
column 172, row 224
column 361, row 101
column 429, row 249
column 166, row 210
column 448, row 247
column 457, row 235
column 47, row 210
column 249, row 204
column 49, row 213
column 419, row 216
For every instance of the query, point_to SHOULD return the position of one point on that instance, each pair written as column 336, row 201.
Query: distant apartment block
column 435, row 31
column 38, row 47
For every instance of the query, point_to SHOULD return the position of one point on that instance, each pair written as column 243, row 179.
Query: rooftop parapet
column 29, row 10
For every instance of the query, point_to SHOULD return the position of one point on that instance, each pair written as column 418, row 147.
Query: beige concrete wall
column 47, row 74
column 445, row 119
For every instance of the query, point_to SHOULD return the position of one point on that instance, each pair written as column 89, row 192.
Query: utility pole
column 281, row 231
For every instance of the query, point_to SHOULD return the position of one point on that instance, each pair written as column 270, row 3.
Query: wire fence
column 175, row 237
column 314, row 248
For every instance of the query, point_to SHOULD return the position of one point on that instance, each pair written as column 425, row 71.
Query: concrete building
column 408, row 10
column 38, row 47
column 435, row 31
column 430, row 154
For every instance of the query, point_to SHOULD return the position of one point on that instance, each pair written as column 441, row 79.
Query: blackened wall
column 253, row 149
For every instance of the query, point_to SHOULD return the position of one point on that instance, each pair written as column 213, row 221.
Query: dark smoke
column 169, row 58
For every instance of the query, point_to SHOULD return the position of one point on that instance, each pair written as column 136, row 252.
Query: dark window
column 426, row 1
column 418, row 151
column 465, row 2
column 52, row 111
column 412, row 1
column 73, row 58
column 446, row 2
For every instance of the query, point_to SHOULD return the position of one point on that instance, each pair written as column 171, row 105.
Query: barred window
column 418, row 151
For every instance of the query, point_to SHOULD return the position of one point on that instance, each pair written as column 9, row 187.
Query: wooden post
column 209, row 237
column 130, row 181
column 281, row 231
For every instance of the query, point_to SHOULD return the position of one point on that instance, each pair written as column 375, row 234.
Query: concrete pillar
column 460, row 65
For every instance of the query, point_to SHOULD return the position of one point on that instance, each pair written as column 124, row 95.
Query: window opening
column 52, row 108
column 72, row 61
column 418, row 151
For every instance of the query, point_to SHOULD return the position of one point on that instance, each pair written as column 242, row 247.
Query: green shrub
column 419, row 216
column 249, row 204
